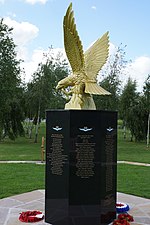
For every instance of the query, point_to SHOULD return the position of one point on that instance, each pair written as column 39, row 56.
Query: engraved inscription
column 108, row 201
column 85, row 149
column 109, row 148
column 56, row 155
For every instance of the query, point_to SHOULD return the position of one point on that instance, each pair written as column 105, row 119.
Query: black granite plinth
column 81, row 167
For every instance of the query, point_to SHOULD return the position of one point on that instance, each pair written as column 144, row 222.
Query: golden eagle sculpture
column 82, row 83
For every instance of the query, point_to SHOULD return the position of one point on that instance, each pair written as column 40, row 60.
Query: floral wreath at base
column 123, row 219
column 122, row 207
column 31, row 216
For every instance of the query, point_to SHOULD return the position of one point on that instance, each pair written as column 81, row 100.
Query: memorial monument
column 85, row 66
column 81, row 142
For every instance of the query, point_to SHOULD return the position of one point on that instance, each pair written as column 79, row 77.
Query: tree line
column 23, row 105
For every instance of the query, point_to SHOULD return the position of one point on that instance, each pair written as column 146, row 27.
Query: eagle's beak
column 59, row 86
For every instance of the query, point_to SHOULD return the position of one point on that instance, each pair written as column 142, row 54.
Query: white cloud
column 138, row 70
column 22, row 32
column 32, row 2
column 93, row 7
column 36, row 1
column 25, row 32
column 22, row 53
column 11, row 14
column 112, row 48
column 30, row 66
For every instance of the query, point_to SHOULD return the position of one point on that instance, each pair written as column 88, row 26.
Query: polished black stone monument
column 81, row 167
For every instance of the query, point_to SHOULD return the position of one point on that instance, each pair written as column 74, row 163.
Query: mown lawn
column 20, row 178
column 134, row 180
column 132, row 151
column 22, row 148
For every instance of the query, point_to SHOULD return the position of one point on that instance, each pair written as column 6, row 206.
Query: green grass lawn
column 20, row 178
column 134, row 180
column 132, row 151
column 22, row 148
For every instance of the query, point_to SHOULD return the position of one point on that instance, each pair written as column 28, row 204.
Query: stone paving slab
column 11, row 207
column 32, row 162
column 139, row 208
column 134, row 163
column 43, row 163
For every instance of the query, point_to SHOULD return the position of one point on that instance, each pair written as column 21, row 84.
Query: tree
column 111, row 81
column 146, row 91
column 134, row 110
column 11, row 113
column 137, row 121
column 128, row 100
column 41, row 93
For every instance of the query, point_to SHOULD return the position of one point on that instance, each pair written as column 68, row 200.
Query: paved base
column 12, row 206
column 139, row 208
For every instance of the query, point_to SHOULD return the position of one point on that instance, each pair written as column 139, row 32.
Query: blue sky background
column 128, row 22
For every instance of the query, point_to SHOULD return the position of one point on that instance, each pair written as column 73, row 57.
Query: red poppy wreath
column 31, row 216
column 122, row 207
column 123, row 219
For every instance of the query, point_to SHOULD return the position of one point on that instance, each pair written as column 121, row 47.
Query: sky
column 38, row 25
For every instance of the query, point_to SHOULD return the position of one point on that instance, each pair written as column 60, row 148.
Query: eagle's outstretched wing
column 96, row 56
column 73, row 45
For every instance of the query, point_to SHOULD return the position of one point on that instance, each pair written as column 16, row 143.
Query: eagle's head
column 60, row 85
column 64, row 83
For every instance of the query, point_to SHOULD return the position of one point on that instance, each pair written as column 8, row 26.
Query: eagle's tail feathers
column 95, row 89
